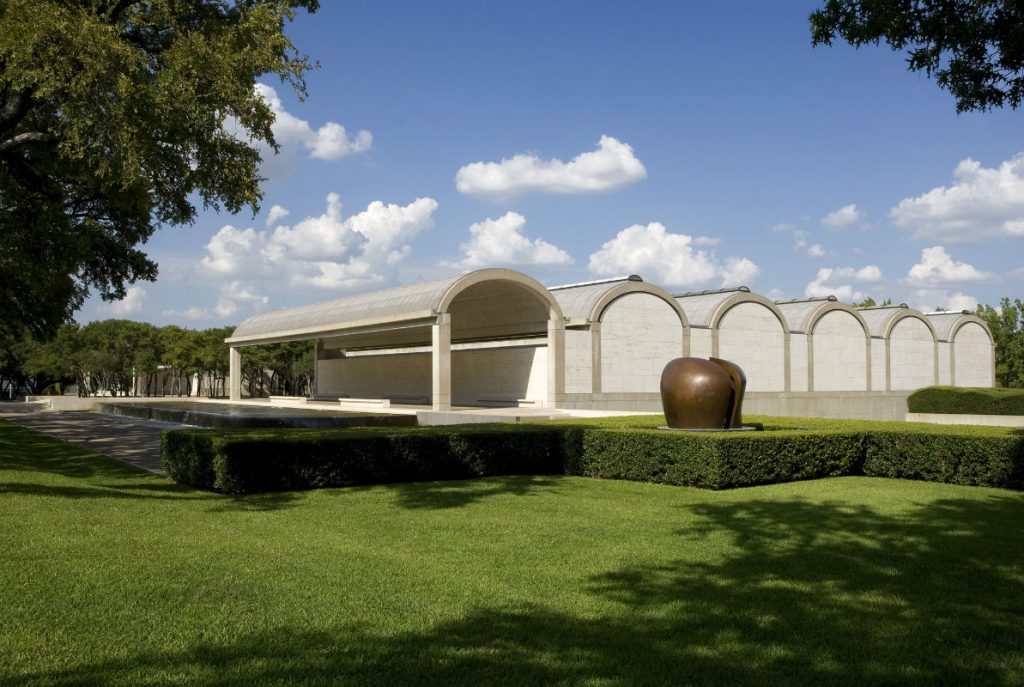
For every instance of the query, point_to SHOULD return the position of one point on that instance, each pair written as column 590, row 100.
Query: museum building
column 498, row 337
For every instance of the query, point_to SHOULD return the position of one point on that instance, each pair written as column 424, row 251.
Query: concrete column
column 595, row 358
column 441, row 362
column 556, row 362
column 234, row 374
column 317, row 347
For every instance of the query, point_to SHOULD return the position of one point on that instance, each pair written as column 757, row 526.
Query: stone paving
column 136, row 442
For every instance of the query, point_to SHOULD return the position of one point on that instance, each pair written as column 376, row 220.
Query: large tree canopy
column 117, row 117
column 973, row 48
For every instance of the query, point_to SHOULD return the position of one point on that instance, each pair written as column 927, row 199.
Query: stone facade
column 498, row 337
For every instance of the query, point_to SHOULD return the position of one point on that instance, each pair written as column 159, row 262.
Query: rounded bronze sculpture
column 702, row 394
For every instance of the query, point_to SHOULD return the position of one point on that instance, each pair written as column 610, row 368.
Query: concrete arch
column 499, row 274
column 823, row 373
column 628, row 287
column 766, row 368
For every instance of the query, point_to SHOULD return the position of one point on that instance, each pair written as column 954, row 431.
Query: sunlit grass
column 112, row 576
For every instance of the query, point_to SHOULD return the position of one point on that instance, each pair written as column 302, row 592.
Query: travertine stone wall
column 912, row 355
column 640, row 333
column 945, row 361
column 500, row 374
column 752, row 337
column 840, row 353
column 798, row 362
column 700, row 342
column 379, row 376
column 579, row 361
column 972, row 356
column 878, row 363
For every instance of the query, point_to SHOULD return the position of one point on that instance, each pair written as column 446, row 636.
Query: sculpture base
column 745, row 428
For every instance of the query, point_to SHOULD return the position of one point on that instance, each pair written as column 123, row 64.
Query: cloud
column 612, row 166
column 930, row 300
column 131, row 304
column 815, row 251
column 665, row 258
column 981, row 203
column 276, row 213
column 330, row 142
column 232, row 295
column 938, row 268
column 844, row 217
column 327, row 251
column 501, row 242
column 829, row 282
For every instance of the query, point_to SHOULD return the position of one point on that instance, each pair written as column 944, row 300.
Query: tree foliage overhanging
column 116, row 117
column 973, row 48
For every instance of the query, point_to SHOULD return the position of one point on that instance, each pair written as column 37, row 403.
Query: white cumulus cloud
column 835, row 281
column 612, row 166
column 131, row 304
column 329, row 142
column 982, row 202
column 930, row 300
column 326, row 251
column 666, row 258
column 844, row 217
column 937, row 267
column 276, row 213
column 501, row 242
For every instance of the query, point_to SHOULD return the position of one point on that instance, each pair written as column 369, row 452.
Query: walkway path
column 132, row 441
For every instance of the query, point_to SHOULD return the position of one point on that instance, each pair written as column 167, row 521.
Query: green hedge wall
column 241, row 462
column 279, row 460
column 966, row 401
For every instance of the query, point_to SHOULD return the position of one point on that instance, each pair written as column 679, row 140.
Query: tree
column 973, row 48
column 1007, row 325
column 119, row 116
column 869, row 302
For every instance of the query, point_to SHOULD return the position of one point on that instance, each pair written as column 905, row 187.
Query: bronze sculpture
column 703, row 394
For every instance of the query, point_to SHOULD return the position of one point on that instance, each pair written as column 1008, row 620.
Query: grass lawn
column 112, row 576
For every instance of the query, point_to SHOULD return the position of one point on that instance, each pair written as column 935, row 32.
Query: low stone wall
column 949, row 419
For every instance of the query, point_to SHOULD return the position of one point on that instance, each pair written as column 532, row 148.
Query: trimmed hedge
column 714, row 461
column 966, row 401
column 975, row 460
column 280, row 460
column 285, row 460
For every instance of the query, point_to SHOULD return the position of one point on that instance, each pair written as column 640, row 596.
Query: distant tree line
column 123, row 358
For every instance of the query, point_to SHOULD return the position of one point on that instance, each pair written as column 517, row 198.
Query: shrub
column 715, row 461
column 971, row 459
column 282, row 460
column 966, row 401
column 239, row 462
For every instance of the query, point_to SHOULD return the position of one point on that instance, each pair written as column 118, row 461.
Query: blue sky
column 700, row 145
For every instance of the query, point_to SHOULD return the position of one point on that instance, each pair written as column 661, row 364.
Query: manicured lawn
column 111, row 576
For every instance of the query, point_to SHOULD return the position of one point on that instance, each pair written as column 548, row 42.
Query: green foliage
column 973, row 48
column 869, row 302
column 116, row 118
column 287, row 460
column 966, row 401
column 242, row 462
column 954, row 459
column 1007, row 325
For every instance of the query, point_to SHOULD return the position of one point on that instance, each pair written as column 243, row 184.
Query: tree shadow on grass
column 28, row 451
column 460, row 493
column 789, row 593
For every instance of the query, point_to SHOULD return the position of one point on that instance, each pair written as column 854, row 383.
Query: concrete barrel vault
column 903, row 348
column 496, row 333
column 743, row 327
column 604, row 353
column 830, row 345
column 965, row 348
